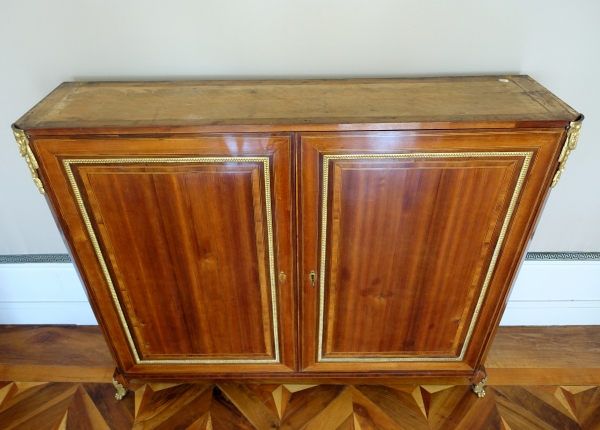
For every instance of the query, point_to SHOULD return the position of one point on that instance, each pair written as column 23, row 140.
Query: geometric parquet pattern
column 66, row 406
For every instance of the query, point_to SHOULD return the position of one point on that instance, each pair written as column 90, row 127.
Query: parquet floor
column 64, row 405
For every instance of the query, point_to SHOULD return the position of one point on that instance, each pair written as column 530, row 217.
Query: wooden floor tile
column 58, row 378
column 69, row 406
column 518, row 356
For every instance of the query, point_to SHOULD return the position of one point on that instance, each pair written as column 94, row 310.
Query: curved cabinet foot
column 120, row 384
column 478, row 388
column 479, row 379
column 121, row 390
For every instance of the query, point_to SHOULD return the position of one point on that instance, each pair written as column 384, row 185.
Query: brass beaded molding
column 267, row 181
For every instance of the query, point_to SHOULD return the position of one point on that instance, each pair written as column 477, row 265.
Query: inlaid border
column 267, row 179
column 527, row 155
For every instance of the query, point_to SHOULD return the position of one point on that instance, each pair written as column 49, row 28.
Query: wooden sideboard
column 319, row 230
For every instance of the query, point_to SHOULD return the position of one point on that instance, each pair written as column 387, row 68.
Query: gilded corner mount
column 26, row 153
column 478, row 388
column 570, row 145
column 121, row 390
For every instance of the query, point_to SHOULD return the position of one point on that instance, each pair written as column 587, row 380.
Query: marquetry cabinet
column 332, row 230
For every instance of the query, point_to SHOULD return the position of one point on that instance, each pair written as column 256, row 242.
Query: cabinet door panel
column 186, row 244
column 404, row 232
column 190, row 247
column 394, row 254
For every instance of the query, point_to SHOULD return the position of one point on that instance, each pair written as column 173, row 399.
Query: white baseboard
column 562, row 292
column 79, row 313
column 560, row 312
column 43, row 293
column 546, row 293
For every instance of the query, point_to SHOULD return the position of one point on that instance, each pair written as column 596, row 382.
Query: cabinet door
column 414, row 239
column 185, row 246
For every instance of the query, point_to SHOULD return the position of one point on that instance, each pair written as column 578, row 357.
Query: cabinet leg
column 479, row 380
column 120, row 384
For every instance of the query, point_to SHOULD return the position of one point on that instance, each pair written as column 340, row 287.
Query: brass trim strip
column 570, row 144
column 325, row 178
column 267, row 178
column 25, row 152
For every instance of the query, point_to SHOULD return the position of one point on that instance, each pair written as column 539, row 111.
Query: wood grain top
column 286, row 105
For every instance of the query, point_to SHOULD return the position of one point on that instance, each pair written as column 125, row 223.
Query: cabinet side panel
column 535, row 192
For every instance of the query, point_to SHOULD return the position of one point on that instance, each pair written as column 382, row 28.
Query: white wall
column 546, row 293
column 43, row 43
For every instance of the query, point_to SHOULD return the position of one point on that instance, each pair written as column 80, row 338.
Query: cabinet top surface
column 481, row 102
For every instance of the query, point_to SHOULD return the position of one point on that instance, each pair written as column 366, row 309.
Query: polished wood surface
column 574, row 347
column 190, row 248
column 417, row 231
column 196, row 241
column 228, row 406
column 519, row 356
column 401, row 282
column 309, row 104
column 549, row 355
column 54, row 353
column 77, row 346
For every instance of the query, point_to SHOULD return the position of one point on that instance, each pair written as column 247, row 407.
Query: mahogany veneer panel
column 395, row 258
column 171, row 231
